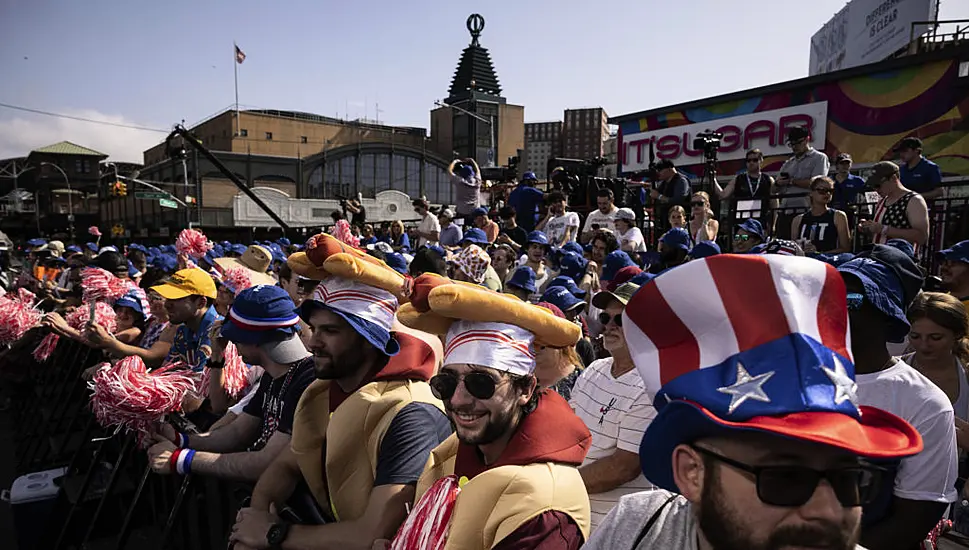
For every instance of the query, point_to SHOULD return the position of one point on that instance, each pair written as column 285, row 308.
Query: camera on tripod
column 709, row 142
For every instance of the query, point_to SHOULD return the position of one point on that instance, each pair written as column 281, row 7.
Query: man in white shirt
column 794, row 181
column 881, row 284
column 603, row 218
column 429, row 229
column 612, row 400
column 559, row 225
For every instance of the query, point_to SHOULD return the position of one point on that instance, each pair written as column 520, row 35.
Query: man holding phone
column 794, row 183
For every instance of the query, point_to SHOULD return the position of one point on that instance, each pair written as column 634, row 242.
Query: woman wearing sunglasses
column 822, row 229
column 703, row 224
column 516, row 449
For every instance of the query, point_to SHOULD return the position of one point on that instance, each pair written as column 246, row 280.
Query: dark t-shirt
column 275, row 400
column 525, row 200
column 359, row 218
column 517, row 234
column 925, row 177
column 412, row 435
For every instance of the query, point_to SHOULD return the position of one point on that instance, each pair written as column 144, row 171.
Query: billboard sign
column 867, row 31
column 765, row 130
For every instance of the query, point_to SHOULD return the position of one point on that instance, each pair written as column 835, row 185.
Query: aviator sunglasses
column 792, row 486
column 479, row 385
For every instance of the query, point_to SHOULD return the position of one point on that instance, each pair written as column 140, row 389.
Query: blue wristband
column 182, row 440
column 188, row 461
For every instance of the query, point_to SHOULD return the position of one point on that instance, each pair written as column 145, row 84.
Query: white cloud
column 23, row 132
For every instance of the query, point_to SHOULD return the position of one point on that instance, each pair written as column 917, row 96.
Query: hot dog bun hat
column 359, row 288
column 724, row 364
column 482, row 327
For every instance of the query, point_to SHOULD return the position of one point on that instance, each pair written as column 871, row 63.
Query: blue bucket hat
column 239, row 249
column 262, row 311
column 138, row 247
column 572, row 266
column 536, row 237
column 573, row 246
column 753, row 227
column 166, row 262
column 524, row 278
column 73, row 248
column 134, row 299
column 560, row 297
column 218, row 251
column 363, row 307
column 891, row 280
column 36, row 242
column 958, row 253
column 676, row 238
column 568, row 284
column 397, row 262
column 704, row 249
column 615, row 260
column 475, row 236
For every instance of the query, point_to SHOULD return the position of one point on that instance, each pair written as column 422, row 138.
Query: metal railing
column 941, row 34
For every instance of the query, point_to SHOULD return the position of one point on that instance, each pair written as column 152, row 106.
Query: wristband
column 181, row 440
column 183, row 465
column 215, row 365
column 173, row 461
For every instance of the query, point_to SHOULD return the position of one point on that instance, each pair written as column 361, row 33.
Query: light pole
column 70, row 200
column 489, row 121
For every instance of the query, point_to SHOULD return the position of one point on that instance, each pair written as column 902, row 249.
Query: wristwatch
column 277, row 534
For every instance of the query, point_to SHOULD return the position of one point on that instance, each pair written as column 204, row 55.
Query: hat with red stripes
column 500, row 346
column 779, row 364
column 368, row 309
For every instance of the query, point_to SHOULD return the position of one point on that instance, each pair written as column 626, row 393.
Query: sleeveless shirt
column 894, row 215
column 820, row 230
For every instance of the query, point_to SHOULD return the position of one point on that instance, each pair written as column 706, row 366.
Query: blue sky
column 157, row 63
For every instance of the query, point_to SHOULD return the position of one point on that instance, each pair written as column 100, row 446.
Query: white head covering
column 498, row 346
column 367, row 302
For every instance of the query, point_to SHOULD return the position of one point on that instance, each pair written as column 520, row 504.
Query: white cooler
column 32, row 498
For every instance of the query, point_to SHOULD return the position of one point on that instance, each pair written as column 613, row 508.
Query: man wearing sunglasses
column 748, row 235
column 515, row 450
column 900, row 214
column 611, row 399
column 795, row 178
column 362, row 431
column 759, row 442
column 822, row 229
column 881, row 283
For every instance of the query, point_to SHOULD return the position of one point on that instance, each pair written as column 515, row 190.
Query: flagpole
column 235, row 68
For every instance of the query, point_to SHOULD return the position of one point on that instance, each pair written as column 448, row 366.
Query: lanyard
column 750, row 187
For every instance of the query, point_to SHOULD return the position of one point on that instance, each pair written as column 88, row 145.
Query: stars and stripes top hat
column 756, row 343
column 368, row 309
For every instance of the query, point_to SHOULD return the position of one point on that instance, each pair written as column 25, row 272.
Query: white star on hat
column 746, row 387
column 845, row 389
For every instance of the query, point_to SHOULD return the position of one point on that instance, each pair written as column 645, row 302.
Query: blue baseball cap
column 572, row 265
column 262, row 311
column 36, row 242
column 139, row 247
column 536, row 237
column 753, row 227
column 568, row 284
column 283, row 241
column 573, row 246
column 676, row 238
column 891, row 280
column 704, row 249
column 466, row 171
column 397, row 262
column 958, row 253
column 217, row 250
column 73, row 248
column 529, row 176
column 238, row 249
column 166, row 262
column 479, row 211
column 615, row 260
column 524, row 278
column 91, row 246
column 475, row 236
column 560, row 297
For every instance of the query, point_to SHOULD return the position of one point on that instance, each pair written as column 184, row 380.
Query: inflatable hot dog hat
column 326, row 255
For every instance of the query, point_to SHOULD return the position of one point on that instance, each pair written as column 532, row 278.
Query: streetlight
column 70, row 201
column 489, row 121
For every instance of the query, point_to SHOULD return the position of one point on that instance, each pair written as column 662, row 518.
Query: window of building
column 269, row 136
column 302, row 139
column 244, row 133
column 413, row 188
column 87, row 166
column 77, row 166
column 367, row 165
column 398, row 176
column 382, row 178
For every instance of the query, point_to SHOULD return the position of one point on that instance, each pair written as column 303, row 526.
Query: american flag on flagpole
column 240, row 55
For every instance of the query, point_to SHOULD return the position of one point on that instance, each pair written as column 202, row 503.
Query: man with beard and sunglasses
column 515, row 451
column 363, row 431
column 759, row 442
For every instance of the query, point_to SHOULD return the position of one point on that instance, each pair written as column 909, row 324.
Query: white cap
column 498, row 346
column 625, row 214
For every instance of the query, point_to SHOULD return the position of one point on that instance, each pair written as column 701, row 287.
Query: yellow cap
column 187, row 282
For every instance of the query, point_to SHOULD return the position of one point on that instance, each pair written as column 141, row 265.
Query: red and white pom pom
column 192, row 243
column 46, row 347
column 98, row 284
column 93, row 230
column 426, row 528
column 129, row 396
column 342, row 232
column 27, row 297
column 103, row 315
column 237, row 279
column 235, row 374
column 17, row 316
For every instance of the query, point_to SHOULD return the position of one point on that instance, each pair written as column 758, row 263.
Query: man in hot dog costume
column 507, row 479
column 363, row 431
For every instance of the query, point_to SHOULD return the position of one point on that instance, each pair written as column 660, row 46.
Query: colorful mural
column 867, row 116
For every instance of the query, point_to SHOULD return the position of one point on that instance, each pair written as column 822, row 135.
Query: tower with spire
column 475, row 120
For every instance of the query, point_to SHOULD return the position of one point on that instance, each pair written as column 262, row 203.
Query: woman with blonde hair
column 677, row 216
column 399, row 239
column 703, row 224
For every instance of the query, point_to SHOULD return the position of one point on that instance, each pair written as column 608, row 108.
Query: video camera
column 709, row 142
column 502, row 174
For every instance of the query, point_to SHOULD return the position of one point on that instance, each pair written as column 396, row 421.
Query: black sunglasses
column 604, row 318
column 479, row 385
column 739, row 237
column 698, row 203
column 855, row 300
column 823, row 190
column 792, row 486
